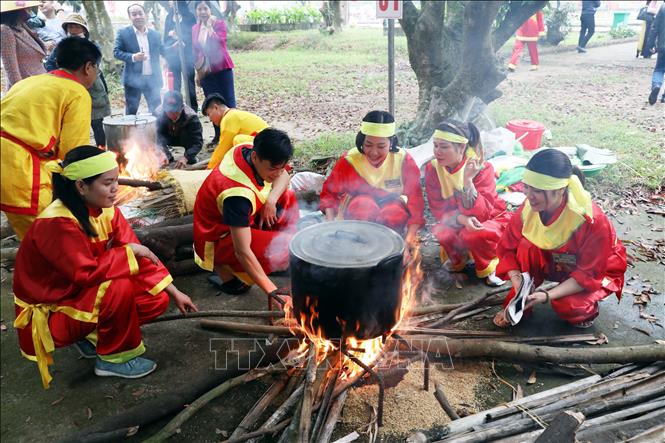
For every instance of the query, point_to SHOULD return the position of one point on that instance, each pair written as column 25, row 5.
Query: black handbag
column 642, row 15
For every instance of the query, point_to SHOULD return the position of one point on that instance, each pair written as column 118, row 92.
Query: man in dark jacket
column 178, row 125
column 658, row 37
column 139, row 47
column 587, row 23
column 172, row 43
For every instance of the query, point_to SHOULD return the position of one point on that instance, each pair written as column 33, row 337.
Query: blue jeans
column 658, row 70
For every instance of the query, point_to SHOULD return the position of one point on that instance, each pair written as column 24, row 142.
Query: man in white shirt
column 140, row 48
column 52, row 32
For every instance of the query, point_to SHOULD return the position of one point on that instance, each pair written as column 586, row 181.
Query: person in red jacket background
column 560, row 235
column 461, row 191
column 528, row 33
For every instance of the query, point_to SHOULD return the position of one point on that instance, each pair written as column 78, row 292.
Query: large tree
column 453, row 51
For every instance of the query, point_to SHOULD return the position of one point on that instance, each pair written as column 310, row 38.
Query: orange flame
column 367, row 351
column 141, row 161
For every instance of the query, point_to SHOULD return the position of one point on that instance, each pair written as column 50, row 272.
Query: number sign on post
column 389, row 9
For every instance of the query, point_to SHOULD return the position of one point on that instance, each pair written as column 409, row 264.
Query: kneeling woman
column 461, row 191
column 376, row 181
column 82, row 277
column 560, row 235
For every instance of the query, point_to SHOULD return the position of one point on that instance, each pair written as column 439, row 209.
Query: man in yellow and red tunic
column 528, row 33
column 245, row 215
column 42, row 118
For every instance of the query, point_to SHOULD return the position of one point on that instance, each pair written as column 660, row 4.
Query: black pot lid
column 129, row 120
column 346, row 244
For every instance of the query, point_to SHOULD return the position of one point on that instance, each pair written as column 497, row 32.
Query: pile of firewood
column 627, row 402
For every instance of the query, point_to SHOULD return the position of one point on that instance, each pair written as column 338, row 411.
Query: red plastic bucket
column 531, row 132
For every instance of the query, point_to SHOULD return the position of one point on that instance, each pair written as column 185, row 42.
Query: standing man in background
column 658, row 37
column 52, row 32
column 172, row 42
column 587, row 23
column 139, row 47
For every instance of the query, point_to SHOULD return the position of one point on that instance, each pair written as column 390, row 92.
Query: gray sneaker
column 86, row 349
column 135, row 368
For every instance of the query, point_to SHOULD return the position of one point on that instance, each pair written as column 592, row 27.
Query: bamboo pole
column 443, row 401
column 217, row 325
column 333, row 417
column 248, row 423
column 224, row 313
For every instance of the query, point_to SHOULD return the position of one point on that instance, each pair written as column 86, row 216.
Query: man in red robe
column 529, row 33
column 234, row 234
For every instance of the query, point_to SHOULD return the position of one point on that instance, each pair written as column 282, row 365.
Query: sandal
column 584, row 324
column 500, row 319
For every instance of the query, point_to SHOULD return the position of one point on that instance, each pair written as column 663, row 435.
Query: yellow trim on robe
column 102, row 224
column 449, row 182
column 556, row 234
column 388, row 173
column 489, row 269
column 131, row 259
column 124, row 356
column 159, row 287
column 230, row 170
column 208, row 260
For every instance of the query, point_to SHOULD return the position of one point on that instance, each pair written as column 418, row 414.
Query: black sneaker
column 662, row 98
column 235, row 286
column 653, row 96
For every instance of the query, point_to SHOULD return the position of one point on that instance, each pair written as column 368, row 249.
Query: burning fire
column 367, row 351
column 141, row 162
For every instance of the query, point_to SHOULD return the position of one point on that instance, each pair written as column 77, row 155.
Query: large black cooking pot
column 346, row 278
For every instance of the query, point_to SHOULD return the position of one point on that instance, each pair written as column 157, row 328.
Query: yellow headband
column 579, row 200
column 450, row 137
column 88, row 167
column 378, row 129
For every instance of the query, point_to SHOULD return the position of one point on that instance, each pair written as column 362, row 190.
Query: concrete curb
column 571, row 48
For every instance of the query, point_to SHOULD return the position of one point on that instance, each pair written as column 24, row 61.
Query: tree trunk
column 101, row 29
column 452, row 50
column 332, row 15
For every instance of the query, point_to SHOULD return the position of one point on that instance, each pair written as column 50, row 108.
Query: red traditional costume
column 528, row 33
column 68, row 285
column 213, row 245
column 583, row 246
column 43, row 117
column 443, row 189
column 389, row 195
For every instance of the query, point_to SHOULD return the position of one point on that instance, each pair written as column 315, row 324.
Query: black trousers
column 191, row 85
column 222, row 83
column 133, row 96
column 98, row 130
column 588, row 27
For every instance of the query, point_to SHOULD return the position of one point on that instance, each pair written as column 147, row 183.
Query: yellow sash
column 388, row 176
column 556, row 234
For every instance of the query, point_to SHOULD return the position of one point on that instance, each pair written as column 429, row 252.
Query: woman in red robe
column 560, row 235
column 529, row 33
column 461, row 191
column 82, row 277
column 376, row 181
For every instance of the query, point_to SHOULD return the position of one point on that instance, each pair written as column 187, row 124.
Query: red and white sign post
column 390, row 10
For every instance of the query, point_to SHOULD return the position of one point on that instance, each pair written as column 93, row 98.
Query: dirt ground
column 184, row 351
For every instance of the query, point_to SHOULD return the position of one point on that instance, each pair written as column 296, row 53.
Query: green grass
column 325, row 145
column 640, row 157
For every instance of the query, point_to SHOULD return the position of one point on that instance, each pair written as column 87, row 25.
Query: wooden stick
column 217, row 325
column 225, row 313
column 260, row 432
column 281, row 412
column 333, row 417
column 173, row 425
column 248, row 423
column 648, row 436
column 658, row 416
column 324, row 406
column 467, row 348
column 562, row 428
column 173, row 401
column 305, row 423
column 443, row 401
column 152, row 186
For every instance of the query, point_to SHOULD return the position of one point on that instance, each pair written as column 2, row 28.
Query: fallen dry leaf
column 601, row 339
column 139, row 392
column 518, row 393
column 55, row 402
column 3, row 328
column 518, row 368
column 660, row 342
column 89, row 413
column 532, row 378
column 132, row 431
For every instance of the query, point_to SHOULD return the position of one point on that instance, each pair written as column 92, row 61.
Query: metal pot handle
column 340, row 233
column 388, row 262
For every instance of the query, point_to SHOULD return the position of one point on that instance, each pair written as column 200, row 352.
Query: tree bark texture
column 452, row 50
column 101, row 29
